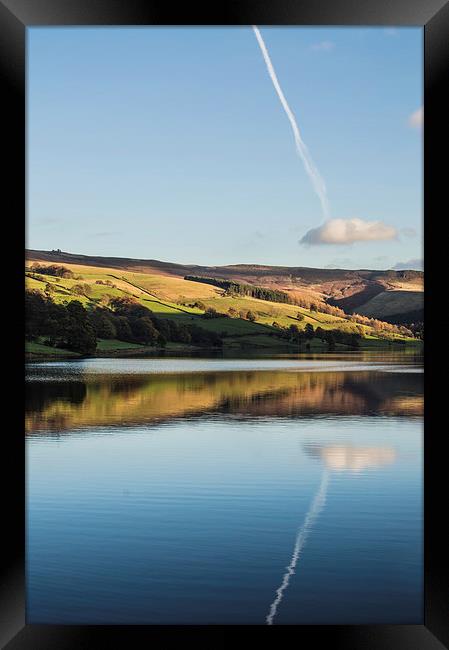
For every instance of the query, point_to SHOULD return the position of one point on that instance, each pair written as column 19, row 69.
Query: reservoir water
column 283, row 490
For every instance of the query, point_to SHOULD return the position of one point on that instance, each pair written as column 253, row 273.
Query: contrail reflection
column 316, row 506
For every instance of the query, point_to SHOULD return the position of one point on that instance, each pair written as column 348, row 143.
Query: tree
column 52, row 269
column 232, row 312
column 309, row 332
column 294, row 331
column 104, row 299
column 123, row 329
column 184, row 335
column 129, row 306
column 354, row 340
column 211, row 312
column 105, row 328
column 52, row 331
column 144, row 330
column 320, row 333
column 330, row 341
column 200, row 336
column 80, row 339
column 78, row 289
column 313, row 307
column 35, row 314
column 80, row 335
column 251, row 316
column 299, row 316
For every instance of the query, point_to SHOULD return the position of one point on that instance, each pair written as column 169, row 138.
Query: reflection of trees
column 118, row 400
column 39, row 394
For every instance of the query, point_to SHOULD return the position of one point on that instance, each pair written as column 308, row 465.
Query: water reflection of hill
column 127, row 400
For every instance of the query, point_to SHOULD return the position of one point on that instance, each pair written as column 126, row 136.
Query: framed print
column 228, row 425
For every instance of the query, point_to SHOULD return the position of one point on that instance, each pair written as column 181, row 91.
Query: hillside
column 230, row 319
column 376, row 294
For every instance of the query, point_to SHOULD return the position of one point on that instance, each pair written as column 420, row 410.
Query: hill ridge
column 59, row 255
column 372, row 292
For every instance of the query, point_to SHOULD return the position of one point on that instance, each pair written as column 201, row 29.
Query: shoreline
column 155, row 353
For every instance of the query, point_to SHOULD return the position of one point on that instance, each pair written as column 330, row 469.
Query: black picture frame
column 433, row 15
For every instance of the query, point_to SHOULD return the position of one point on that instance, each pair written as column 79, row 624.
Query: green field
column 39, row 349
column 114, row 344
column 173, row 298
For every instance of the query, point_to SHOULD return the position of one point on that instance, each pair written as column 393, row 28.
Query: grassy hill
column 162, row 289
column 352, row 290
column 389, row 303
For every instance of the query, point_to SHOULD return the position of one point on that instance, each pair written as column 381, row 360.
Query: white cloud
column 411, row 265
column 416, row 119
column 348, row 231
column 323, row 46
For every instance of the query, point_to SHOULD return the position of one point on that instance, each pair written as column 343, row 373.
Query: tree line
column 331, row 337
column 233, row 288
column 53, row 269
column 74, row 327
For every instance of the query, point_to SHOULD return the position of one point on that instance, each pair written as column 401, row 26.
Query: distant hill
column 392, row 296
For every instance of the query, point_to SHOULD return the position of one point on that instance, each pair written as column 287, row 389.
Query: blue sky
column 171, row 143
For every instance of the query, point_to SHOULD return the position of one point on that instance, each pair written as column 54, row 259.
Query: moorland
column 104, row 306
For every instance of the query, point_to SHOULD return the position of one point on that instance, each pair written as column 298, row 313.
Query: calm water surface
column 280, row 490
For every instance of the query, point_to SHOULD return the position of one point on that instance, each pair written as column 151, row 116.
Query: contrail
column 301, row 148
column 316, row 506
